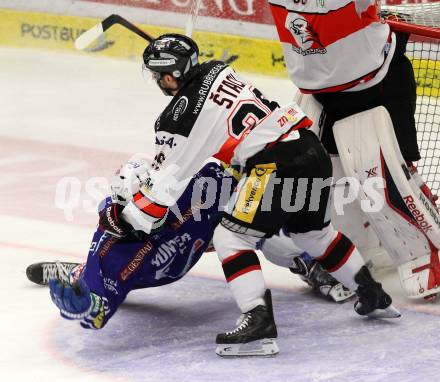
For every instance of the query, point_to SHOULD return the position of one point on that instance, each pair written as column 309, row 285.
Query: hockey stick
column 195, row 6
column 94, row 33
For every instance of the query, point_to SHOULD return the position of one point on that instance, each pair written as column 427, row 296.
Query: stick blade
column 89, row 36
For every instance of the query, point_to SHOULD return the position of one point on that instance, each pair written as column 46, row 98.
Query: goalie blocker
column 408, row 224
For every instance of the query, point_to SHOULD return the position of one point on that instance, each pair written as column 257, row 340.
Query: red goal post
column 417, row 18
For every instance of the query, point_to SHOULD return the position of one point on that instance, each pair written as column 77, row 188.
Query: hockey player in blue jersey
column 119, row 262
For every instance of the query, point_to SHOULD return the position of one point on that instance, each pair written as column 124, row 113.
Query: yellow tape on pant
column 252, row 192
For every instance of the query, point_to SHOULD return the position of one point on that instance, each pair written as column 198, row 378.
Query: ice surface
column 168, row 333
column 81, row 117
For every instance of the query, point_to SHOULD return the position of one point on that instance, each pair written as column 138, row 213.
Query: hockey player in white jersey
column 214, row 112
column 343, row 54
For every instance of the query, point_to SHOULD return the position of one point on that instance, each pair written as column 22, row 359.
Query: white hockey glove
column 144, row 214
column 127, row 180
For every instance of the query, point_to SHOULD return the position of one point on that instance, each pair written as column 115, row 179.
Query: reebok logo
column 111, row 222
column 418, row 216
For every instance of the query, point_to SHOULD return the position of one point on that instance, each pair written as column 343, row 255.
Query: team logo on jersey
column 306, row 38
column 179, row 107
column 170, row 249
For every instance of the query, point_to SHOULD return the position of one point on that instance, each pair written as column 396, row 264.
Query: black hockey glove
column 111, row 221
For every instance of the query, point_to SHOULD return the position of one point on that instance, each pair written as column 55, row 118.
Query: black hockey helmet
column 172, row 53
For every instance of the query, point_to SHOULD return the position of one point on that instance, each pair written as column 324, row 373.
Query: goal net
column 422, row 22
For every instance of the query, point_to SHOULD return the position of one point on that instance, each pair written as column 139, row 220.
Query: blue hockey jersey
column 116, row 266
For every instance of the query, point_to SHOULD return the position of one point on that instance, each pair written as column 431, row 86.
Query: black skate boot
column 373, row 301
column 311, row 272
column 40, row 273
column 254, row 336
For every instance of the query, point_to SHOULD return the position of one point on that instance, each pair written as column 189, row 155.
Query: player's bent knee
column 220, row 241
column 315, row 242
column 227, row 243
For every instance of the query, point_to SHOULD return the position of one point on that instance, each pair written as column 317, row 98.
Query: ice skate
column 254, row 336
column 41, row 273
column 373, row 301
column 311, row 272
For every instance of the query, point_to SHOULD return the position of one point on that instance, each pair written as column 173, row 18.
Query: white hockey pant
column 335, row 252
column 242, row 269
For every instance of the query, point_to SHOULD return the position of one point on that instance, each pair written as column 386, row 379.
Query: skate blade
column 339, row 294
column 266, row 347
column 390, row 312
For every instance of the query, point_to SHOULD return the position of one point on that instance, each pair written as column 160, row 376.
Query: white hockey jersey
column 217, row 114
column 333, row 45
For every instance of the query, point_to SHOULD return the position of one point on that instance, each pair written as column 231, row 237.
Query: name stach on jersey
column 181, row 114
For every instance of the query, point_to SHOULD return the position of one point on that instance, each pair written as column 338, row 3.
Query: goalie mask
column 173, row 54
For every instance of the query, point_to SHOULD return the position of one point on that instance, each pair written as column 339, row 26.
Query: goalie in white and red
column 363, row 91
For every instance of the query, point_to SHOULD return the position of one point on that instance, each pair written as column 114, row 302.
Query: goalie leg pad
column 354, row 222
column 421, row 277
column 312, row 108
column 407, row 223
